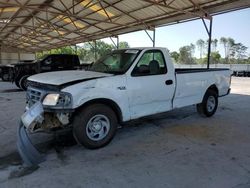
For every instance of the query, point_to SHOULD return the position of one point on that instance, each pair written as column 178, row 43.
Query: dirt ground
column 176, row 149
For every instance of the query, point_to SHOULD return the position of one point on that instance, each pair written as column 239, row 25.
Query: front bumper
column 29, row 120
column 28, row 152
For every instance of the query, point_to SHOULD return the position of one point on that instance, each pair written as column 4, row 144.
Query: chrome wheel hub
column 98, row 127
column 211, row 102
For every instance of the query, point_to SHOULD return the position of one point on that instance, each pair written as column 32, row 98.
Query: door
column 150, row 88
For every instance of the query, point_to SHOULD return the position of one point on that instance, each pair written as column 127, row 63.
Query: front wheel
column 209, row 104
column 95, row 126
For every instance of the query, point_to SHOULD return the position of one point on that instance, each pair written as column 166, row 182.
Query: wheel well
column 214, row 88
column 107, row 102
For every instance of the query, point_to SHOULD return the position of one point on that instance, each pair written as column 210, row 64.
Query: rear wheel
column 209, row 104
column 95, row 126
column 17, row 82
column 5, row 77
column 23, row 82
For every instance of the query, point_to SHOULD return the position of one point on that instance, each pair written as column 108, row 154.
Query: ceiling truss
column 38, row 25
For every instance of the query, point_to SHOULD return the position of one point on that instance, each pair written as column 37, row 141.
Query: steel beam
column 152, row 38
column 209, row 32
column 75, row 49
column 117, row 41
column 209, row 43
column 95, row 50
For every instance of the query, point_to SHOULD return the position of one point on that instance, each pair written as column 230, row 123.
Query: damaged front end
column 45, row 112
column 28, row 152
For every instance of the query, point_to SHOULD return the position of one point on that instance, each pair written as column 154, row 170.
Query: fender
column 108, row 88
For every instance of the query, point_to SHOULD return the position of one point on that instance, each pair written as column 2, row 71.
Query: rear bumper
column 228, row 92
column 28, row 152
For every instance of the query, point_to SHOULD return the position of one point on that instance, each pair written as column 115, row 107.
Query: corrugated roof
column 35, row 25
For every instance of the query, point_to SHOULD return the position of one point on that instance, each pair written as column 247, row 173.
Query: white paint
column 60, row 77
column 233, row 67
column 191, row 87
column 142, row 95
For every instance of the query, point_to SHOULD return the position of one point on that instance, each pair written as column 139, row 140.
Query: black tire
column 23, row 82
column 209, row 104
column 83, row 126
column 5, row 77
column 17, row 80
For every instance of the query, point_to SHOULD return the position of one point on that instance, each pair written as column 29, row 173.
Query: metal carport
column 34, row 25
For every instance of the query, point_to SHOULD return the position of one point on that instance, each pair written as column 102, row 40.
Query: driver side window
column 47, row 61
column 151, row 63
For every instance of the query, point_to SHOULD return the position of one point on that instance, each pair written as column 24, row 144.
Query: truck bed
column 187, row 70
column 190, row 88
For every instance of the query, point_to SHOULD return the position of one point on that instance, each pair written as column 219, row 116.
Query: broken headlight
column 51, row 99
column 58, row 100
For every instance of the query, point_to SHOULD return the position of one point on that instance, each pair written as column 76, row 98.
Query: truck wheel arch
column 202, row 108
column 213, row 88
column 23, row 82
column 112, row 104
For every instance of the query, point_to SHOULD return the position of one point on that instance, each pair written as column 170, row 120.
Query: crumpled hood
column 63, row 77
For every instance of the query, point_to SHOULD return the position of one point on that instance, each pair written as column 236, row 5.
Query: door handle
column 169, row 82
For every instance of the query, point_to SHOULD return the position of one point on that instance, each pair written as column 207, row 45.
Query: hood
column 65, row 77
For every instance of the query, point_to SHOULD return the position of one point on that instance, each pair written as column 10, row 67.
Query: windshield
column 117, row 62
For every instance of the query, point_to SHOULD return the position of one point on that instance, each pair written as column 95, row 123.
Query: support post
column 209, row 43
column 117, row 41
column 154, row 38
column 75, row 49
column 150, row 37
column 19, row 58
column 209, row 32
column 95, row 50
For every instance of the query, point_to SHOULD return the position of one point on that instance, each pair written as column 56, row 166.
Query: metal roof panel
column 27, row 25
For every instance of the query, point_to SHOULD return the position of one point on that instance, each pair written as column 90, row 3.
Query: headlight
column 51, row 99
column 58, row 100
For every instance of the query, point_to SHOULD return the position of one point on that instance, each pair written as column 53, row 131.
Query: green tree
column 175, row 55
column 215, row 57
column 192, row 48
column 238, row 51
column 123, row 45
column 102, row 48
column 82, row 53
column 95, row 51
column 186, row 55
column 214, row 44
column 64, row 50
column 200, row 44
column 223, row 41
column 228, row 43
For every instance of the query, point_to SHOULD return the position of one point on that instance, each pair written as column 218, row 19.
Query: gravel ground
column 175, row 149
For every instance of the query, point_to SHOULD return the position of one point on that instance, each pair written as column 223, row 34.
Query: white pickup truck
column 124, row 85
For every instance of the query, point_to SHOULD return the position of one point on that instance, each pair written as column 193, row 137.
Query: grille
column 33, row 96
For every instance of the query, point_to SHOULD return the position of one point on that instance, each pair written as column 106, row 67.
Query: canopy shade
column 36, row 25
